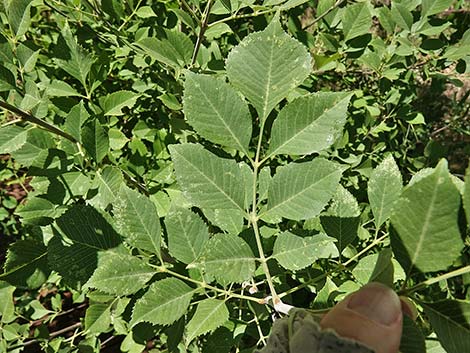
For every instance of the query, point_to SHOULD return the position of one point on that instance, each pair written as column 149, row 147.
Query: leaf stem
column 324, row 14
column 32, row 119
column 246, row 15
column 202, row 30
column 254, row 219
column 128, row 18
column 337, row 268
column 163, row 269
column 428, row 282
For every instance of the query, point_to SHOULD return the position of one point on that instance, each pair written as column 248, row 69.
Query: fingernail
column 377, row 302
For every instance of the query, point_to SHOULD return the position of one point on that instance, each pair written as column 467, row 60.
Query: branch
column 32, row 119
column 204, row 26
column 324, row 14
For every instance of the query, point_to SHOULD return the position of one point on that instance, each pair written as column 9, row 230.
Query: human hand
column 373, row 316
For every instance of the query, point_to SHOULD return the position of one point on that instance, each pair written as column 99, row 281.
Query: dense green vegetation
column 174, row 174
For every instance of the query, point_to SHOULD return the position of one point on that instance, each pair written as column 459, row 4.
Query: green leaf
column 451, row 322
column 432, row 7
column 229, row 220
column 187, row 235
column 301, row 190
column 294, row 252
column 357, row 20
column 209, row 315
column 95, row 140
column 26, row 264
column 137, row 219
column 175, row 49
column 82, row 233
column 412, row 339
column 37, row 142
column 12, row 138
column 38, row 211
column 77, row 61
column 216, row 111
column 342, row 219
column 266, row 66
column 109, row 182
column 75, row 120
column 59, row 88
column 114, row 103
column 120, row 274
column 19, row 16
column 309, row 124
column 7, row 305
column 228, row 258
column 164, row 303
column 425, row 218
column 402, row 16
column 208, row 181
column 466, row 196
column 384, row 189
column 98, row 318
column 375, row 268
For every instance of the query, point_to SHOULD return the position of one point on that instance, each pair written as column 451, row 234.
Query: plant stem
column 202, row 30
column 324, row 14
column 128, row 18
column 163, row 269
column 246, row 15
column 254, row 218
column 428, row 282
column 340, row 267
column 32, row 119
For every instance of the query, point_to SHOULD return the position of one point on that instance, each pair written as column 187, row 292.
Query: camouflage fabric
column 300, row 333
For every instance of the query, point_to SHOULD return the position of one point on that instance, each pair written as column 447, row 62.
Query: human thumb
column 372, row 316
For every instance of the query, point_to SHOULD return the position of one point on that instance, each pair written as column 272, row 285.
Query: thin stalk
column 246, row 15
column 202, row 31
column 340, row 267
column 32, row 119
column 430, row 281
column 163, row 269
column 254, row 219
column 324, row 14
column 128, row 18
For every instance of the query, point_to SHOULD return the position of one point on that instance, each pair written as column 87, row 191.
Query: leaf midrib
column 297, row 194
column 210, row 181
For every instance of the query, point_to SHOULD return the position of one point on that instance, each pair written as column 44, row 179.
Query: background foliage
column 175, row 174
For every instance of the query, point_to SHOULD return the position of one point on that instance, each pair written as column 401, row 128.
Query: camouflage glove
column 300, row 333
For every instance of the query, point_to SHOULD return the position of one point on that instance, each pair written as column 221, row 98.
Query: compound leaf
column 187, row 235
column 451, row 321
column 209, row 315
column 228, row 258
column 384, row 189
column 309, row 124
column 425, row 218
column 164, row 303
column 137, row 219
column 216, row 111
column 207, row 180
column 109, row 182
column 294, row 252
column 75, row 120
column 301, row 190
column 120, row 274
column 266, row 66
